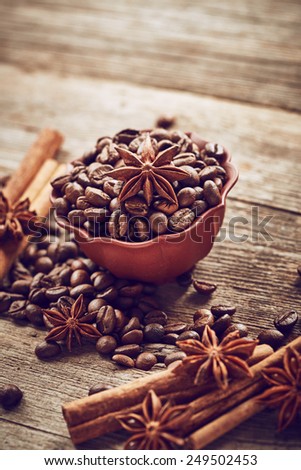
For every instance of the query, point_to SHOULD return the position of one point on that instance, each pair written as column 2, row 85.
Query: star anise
column 209, row 359
column 285, row 388
column 157, row 427
column 14, row 218
column 71, row 322
column 148, row 172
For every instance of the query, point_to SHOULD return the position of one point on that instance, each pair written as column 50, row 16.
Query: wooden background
column 229, row 70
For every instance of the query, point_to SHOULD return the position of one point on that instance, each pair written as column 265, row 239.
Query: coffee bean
column 95, row 214
column 21, row 286
column 165, row 206
column 133, row 324
column 77, row 217
column 65, row 301
column 82, row 203
column 193, row 179
column 133, row 290
column 5, row 301
column 132, row 337
column 165, row 121
column 54, row 293
column 106, row 344
column 220, row 310
column 110, row 294
column 136, row 205
column 118, row 224
column 10, row 396
column 189, row 335
column 184, row 159
column 44, row 264
column 106, row 320
column 185, row 279
column 145, row 361
column 176, row 327
column 73, row 191
column 154, row 333
column 284, row 322
column 97, row 197
column 186, row 197
column 202, row 317
column 85, row 289
column 158, row 223
column 141, row 229
column 239, row 327
column 112, row 187
column 211, row 193
column 67, row 250
column 203, row 287
column 79, row 276
column 99, row 387
column 48, row 350
column 221, row 324
column 34, row 314
column 95, row 305
column 131, row 350
column 65, row 275
column 175, row 356
column 181, row 220
column 299, row 270
column 78, row 264
column 123, row 360
column 102, row 280
column 170, row 338
column 271, row 337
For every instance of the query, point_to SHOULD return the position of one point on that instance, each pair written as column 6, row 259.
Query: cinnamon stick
column 45, row 147
column 93, row 416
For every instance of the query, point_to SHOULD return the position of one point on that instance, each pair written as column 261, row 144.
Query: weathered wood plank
column 248, row 51
column 266, row 143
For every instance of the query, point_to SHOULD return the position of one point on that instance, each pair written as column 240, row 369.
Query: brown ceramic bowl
column 165, row 257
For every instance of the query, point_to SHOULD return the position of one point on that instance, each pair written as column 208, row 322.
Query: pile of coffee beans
column 88, row 197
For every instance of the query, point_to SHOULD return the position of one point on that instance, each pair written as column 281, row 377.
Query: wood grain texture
column 248, row 51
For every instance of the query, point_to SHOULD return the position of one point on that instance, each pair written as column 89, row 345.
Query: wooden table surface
column 229, row 70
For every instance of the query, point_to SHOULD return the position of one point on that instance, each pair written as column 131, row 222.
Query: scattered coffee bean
column 189, row 335
column 132, row 337
column 154, row 333
column 48, row 350
column 99, row 387
column 79, row 276
column 106, row 320
column 155, row 316
column 165, row 121
column 54, row 293
column 123, row 360
column 170, row 338
column 181, row 220
column 273, row 338
column 239, row 327
column 10, row 396
column 202, row 317
column 145, row 361
column 131, row 350
column 44, row 264
column 204, row 288
column 211, row 193
column 34, row 314
column 175, row 356
column 221, row 324
column 106, row 344
column 85, row 289
column 284, row 322
column 220, row 310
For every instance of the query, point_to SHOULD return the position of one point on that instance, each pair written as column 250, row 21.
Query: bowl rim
column 232, row 174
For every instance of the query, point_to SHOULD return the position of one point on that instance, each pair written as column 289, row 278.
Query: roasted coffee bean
column 97, row 197
column 299, row 270
column 132, row 324
column 199, row 207
column 106, row 344
column 175, row 356
column 164, row 121
column 132, row 337
column 95, row 305
column 214, row 150
column 189, row 335
column 271, row 337
column 165, row 206
column 158, row 223
column 59, row 182
column 79, row 276
column 5, row 301
column 124, row 303
column 67, row 250
column 34, row 314
column 204, row 318
column 141, row 229
column 192, row 179
column 38, row 296
column 106, row 320
column 186, row 197
column 147, row 303
column 239, row 327
column 184, row 159
column 78, row 264
column 155, row 316
column 85, row 289
column 221, row 324
column 211, row 172
column 54, row 293
column 73, row 191
column 118, row 224
column 220, row 310
column 41, row 252
column 211, row 193
column 131, row 350
column 154, row 333
column 219, row 183
column 114, row 205
column 65, row 301
column 176, row 327
column 21, row 286
column 77, row 217
column 44, row 264
column 203, row 287
column 203, row 312
column 133, row 290
column 136, row 205
column 65, row 275
column 96, row 214
column 17, row 310
column 82, row 203
column 284, row 322
column 112, row 187
column 145, row 361
column 210, row 161
column 170, row 338
column 123, row 360
column 109, row 294
column 48, row 350
column 10, row 395
column 181, row 220
column 99, row 388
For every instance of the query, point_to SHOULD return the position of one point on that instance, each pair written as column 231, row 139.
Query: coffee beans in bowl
column 138, row 191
